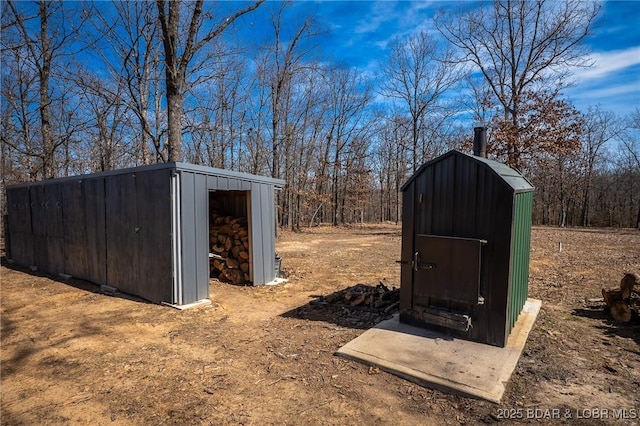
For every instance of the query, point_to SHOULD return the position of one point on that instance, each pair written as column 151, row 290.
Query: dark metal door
column 447, row 268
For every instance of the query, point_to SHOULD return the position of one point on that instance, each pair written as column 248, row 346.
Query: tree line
column 94, row 86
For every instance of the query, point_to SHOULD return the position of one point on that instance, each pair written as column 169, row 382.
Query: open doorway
column 230, row 237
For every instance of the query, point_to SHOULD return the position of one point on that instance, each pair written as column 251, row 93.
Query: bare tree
column 417, row 73
column 599, row 128
column 346, row 115
column 631, row 142
column 180, row 47
column 133, row 38
column 43, row 46
column 518, row 45
column 285, row 59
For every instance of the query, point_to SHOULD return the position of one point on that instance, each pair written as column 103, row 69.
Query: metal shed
column 466, row 233
column 143, row 230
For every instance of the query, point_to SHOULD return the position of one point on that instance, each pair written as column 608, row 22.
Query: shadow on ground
column 340, row 308
column 629, row 330
column 80, row 284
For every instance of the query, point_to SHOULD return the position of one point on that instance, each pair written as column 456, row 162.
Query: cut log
column 358, row 300
column 627, row 283
column 618, row 306
column 620, row 311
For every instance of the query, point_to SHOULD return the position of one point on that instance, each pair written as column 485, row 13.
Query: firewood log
column 620, row 311
column 627, row 283
column 618, row 308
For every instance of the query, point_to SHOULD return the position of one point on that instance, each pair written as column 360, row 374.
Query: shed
column 142, row 230
column 466, row 234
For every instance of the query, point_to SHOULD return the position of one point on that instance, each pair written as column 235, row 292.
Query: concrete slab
column 197, row 303
column 435, row 360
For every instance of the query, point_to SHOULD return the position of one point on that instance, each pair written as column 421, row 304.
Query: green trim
column 519, row 288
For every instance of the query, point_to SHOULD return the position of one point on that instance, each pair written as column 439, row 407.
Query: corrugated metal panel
column 260, row 235
column 121, row 225
column 202, row 236
column 94, row 226
column 153, row 199
column 19, row 209
column 75, row 250
column 115, row 227
column 278, row 183
column 458, row 195
column 189, row 231
column 509, row 176
column 43, row 218
column 521, row 246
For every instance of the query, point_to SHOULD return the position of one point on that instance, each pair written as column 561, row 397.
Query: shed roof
column 511, row 177
column 212, row 171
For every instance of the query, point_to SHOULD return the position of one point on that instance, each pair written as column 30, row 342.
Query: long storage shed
column 145, row 230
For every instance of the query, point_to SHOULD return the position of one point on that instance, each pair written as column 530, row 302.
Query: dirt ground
column 258, row 356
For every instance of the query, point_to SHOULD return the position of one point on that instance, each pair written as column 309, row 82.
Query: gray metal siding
column 123, row 254
column 189, row 228
column 75, row 250
column 115, row 227
column 263, row 233
column 94, row 227
column 202, row 236
column 21, row 232
column 153, row 205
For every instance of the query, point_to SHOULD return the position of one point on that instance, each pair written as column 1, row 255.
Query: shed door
column 447, row 268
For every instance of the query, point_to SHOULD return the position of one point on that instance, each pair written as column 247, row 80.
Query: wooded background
column 89, row 87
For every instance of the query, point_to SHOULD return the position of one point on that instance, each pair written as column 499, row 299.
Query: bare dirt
column 257, row 356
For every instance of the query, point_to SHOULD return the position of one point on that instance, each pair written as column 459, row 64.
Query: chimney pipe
column 480, row 142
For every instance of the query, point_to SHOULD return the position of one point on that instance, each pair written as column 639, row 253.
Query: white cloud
column 595, row 94
column 381, row 12
column 607, row 63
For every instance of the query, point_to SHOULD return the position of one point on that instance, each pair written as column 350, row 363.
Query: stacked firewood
column 229, row 248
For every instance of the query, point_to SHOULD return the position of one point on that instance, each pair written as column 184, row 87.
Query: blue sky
column 358, row 33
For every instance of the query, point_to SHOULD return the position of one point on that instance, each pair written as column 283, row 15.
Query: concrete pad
column 277, row 281
column 201, row 302
column 435, row 360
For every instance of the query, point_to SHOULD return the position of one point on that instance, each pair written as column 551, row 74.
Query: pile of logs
column 229, row 248
column 379, row 297
column 623, row 302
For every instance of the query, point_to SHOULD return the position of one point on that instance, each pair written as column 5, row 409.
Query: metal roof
column 511, row 177
column 211, row 171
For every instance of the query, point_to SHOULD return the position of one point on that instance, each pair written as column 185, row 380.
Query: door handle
column 417, row 265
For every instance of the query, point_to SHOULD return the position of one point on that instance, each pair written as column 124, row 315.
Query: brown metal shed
column 466, row 229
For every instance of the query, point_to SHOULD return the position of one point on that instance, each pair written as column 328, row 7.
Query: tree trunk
column 48, row 155
column 174, row 117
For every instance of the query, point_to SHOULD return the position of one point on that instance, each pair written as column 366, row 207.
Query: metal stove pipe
column 480, row 142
